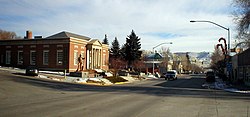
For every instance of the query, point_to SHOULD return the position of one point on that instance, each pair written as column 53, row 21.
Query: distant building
column 57, row 52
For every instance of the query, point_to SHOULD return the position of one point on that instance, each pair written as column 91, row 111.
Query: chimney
column 28, row 35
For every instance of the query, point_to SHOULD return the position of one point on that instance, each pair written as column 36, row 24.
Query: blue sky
column 154, row 21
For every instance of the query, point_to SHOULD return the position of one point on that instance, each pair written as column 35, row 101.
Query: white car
column 170, row 75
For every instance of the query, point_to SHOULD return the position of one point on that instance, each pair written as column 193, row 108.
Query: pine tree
column 115, row 49
column 105, row 40
column 131, row 48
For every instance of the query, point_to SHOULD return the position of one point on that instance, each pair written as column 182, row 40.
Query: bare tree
column 166, row 54
column 242, row 18
column 117, row 64
column 139, row 65
column 7, row 35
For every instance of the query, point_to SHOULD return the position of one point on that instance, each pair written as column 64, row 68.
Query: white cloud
column 117, row 18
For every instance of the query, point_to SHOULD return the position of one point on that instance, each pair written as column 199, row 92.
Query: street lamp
column 154, row 54
column 228, row 30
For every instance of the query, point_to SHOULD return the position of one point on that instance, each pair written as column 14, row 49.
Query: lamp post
column 228, row 30
column 154, row 54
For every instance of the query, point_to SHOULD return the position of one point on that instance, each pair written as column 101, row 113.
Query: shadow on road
column 195, row 83
column 178, row 88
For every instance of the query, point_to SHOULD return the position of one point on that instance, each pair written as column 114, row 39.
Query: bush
column 116, row 79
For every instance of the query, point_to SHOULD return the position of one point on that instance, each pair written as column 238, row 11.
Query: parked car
column 32, row 71
column 210, row 76
column 170, row 75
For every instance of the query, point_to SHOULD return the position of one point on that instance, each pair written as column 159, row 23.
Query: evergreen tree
column 115, row 49
column 131, row 48
column 105, row 40
column 217, row 60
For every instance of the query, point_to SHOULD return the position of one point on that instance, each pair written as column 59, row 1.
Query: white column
column 87, row 59
column 94, row 59
column 100, row 57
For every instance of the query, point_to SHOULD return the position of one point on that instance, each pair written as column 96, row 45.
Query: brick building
column 56, row 52
column 241, row 67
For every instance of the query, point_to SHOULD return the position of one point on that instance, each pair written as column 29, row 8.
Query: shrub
column 116, row 79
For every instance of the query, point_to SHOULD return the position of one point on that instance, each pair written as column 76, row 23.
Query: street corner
column 225, row 87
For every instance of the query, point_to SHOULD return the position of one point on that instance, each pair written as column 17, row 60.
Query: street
column 23, row 96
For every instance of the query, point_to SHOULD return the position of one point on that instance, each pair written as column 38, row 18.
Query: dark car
column 32, row 71
column 170, row 75
column 210, row 76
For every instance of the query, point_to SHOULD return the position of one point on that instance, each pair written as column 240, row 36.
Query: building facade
column 56, row 52
column 241, row 67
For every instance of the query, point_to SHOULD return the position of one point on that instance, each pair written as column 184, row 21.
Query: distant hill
column 198, row 55
column 204, row 56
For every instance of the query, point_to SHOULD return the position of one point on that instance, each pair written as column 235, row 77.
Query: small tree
column 217, row 61
column 131, row 49
column 116, row 64
column 166, row 53
column 185, row 60
column 139, row 65
column 105, row 40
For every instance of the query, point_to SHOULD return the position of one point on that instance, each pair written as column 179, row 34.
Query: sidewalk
column 221, row 85
column 59, row 76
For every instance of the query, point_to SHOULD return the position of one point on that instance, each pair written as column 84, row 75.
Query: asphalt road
column 23, row 97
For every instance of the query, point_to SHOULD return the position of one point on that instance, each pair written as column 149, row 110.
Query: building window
column 82, row 54
column 59, row 57
column 46, row 57
column 8, row 57
column 20, row 57
column 19, row 46
column 8, row 47
column 59, row 46
column 32, row 57
column 33, row 46
column 46, row 46
column 75, row 57
column 2, row 56
column 104, row 59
